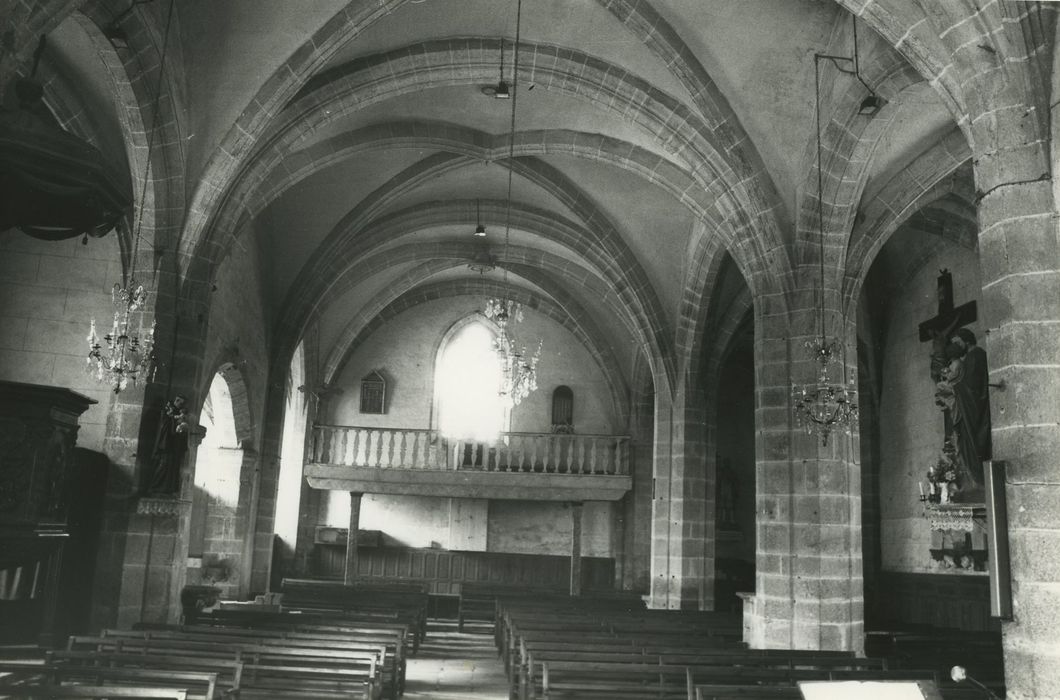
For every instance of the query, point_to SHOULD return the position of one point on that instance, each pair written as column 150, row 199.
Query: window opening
column 469, row 384
column 563, row 410
column 217, row 464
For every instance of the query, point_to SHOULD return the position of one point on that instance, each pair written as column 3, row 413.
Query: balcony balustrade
column 526, row 453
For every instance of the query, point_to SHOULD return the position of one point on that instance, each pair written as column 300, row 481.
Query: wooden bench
column 196, row 684
column 478, row 601
column 274, row 672
column 335, row 623
column 409, row 601
column 747, row 692
column 41, row 691
column 519, row 636
column 223, row 673
column 293, row 626
column 768, row 686
column 391, row 663
column 531, row 673
column 579, row 679
column 375, row 657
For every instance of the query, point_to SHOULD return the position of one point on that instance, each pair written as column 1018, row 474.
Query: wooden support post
column 351, row 539
column 576, row 549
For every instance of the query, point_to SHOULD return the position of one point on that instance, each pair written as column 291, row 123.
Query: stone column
column 679, row 544
column 1019, row 257
column 808, row 578
column 637, row 505
column 351, row 540
column 576, row 549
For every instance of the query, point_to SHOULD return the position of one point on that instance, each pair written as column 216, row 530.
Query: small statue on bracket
column 171, row 444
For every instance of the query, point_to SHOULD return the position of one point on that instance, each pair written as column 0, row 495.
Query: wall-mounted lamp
column 872, row 103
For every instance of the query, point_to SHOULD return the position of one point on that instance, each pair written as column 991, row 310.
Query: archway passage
column 291, row 494
column 921, row 571
column 214, row 543
column 735, row 474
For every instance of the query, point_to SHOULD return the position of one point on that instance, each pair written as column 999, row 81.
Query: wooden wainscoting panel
column 445, row 570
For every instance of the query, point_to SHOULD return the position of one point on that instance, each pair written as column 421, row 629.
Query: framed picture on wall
column 373, row 393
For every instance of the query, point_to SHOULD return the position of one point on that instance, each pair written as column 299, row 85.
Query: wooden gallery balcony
column 523, row 466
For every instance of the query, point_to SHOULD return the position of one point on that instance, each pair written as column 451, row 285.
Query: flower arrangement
column 942, row 475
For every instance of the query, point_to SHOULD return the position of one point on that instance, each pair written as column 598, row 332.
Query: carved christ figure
column 971, row 406
column 958, row 368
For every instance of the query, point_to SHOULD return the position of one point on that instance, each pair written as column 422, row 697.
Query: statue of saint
column 171, row 444
column 971, row 413
column 962, row 393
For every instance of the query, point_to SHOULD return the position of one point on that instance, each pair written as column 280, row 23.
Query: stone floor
column 455, row 665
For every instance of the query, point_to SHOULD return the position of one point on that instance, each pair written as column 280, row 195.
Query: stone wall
column 236, row 346
column 404, row 351
column 49, row 292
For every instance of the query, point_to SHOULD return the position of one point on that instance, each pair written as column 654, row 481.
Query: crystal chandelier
column 518, row 365
column 825, row 406
column 123, row 356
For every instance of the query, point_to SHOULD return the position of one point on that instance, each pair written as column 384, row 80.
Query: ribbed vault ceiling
column 647, row 133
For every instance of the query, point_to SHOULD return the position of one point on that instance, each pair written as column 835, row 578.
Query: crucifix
column 958, row 368
column 318, row 395
column 948, row 317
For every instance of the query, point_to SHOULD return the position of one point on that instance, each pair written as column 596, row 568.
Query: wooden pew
column 478, row 601
column 530, row 675
column 42, row 691
column 221, row 673
column 298, row 630
column 585, row 681
column 410, row 601
column 518, row 632
column 196, row 684
column 299, row 626
column 257, row 646
column 335, row 623
column 391, row 663
column 272, row 673
column 747, row 692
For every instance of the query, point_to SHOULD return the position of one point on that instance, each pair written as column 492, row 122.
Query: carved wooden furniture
column 38, row 430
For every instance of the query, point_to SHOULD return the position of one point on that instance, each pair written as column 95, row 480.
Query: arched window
column 563, row 410
column 292, row 450
column 217, row 464
column 468, row 383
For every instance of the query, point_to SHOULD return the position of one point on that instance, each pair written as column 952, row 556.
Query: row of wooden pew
column 313, row 650
column 598, row 648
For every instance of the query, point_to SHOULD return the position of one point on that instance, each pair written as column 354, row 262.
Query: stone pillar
column 808, row 578
column 1019, row 257
column 576, row 549
column 637, row 505
column 680, row 578
column 351, row 539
